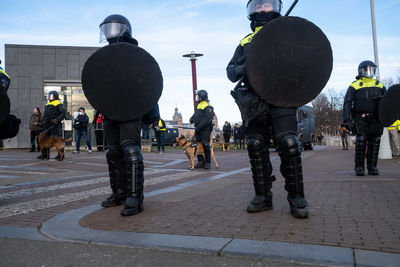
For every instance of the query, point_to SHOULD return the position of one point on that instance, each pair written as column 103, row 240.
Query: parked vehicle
column 169, row 137
column 306, row 126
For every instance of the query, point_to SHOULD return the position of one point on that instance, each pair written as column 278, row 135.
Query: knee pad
column 114, row 154
column 361, row 139
column 374, row 140
column 254, row 144
column 289, row 145
column 132, row 154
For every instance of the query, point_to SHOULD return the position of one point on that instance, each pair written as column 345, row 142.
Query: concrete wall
column 30, row 65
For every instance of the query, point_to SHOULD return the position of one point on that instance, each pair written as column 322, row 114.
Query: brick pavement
column 345, row 210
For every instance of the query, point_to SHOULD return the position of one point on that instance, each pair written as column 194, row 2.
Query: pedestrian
column 227, row 132
column 320, row 137
column 35, row 127
column 159, row 131
column 344, row 135
column 360, row 108
column 81, row 130
column 267, row 120
column 53, row 115
column 394, row 138
column 202, row 119
column 236, row 135
column 99, row 131
column 124, row 157
column 242, row 137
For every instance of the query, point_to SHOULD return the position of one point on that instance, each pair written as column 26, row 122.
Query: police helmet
column 114, row 26
column 81, row 109
column 260, row 11
column 367, row 69
column 53, row 95
column 202, row 94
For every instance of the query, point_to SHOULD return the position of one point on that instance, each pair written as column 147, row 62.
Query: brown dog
column 191, row 150
column 46, row 143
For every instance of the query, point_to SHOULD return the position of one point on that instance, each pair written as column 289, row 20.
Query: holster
column 250, row 105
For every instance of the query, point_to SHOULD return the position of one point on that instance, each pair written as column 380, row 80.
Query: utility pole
column 384, row 149
column 193, row 59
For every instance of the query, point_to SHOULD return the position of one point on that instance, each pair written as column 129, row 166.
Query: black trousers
column 121, row 137
column 277, row 123
column 34, row 139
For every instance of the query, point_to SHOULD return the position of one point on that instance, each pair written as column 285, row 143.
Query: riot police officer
column 9, row 124
column 202, row 119
column 360, row 108
column 53, row 114
column 124, row 157
column 263, row 121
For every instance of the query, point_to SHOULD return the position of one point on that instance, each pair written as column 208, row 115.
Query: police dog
column 46, row 143
column 192, row 149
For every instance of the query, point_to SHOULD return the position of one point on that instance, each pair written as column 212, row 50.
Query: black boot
column 261, row 169
column 200, row 162
column 372, row 155
column 32, row 148
column 134, row 187
column 117, row 180
column 291, row 169
column 207, row 155
column 359, row 158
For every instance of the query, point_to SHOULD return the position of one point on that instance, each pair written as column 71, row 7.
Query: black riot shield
column 4, row 105
column 289, row 62
column 122, row 81
column 389, row 108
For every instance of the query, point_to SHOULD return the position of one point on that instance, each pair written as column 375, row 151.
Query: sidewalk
column 354, row 221
column 357, row 215
column 345, row 210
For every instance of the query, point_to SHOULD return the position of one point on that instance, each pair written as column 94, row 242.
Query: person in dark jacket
column 53, row 114
column 266, row 121
column 227, row 132
column 236, row 135
column 99, row 131
column 360, row 108
column 242, row 137
column 81, row 126
column 124, row 157
column 202, row 119
column 35, row 127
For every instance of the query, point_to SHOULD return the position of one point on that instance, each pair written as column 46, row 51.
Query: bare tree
column 328, row 110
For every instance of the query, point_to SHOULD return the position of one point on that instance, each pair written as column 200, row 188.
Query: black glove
column 347, row 125
column 241, row 70
column 54, row 121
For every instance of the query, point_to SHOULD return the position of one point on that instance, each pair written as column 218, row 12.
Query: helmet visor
column 258, row 6
column 112, row 29
column 369, row 71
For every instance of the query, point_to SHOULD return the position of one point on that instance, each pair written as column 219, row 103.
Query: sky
column 169, row 29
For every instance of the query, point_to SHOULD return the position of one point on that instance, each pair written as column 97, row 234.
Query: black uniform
column 263, row 121
column 53, row 114
column 124, row 157
column 361, row 107
column 202, row 119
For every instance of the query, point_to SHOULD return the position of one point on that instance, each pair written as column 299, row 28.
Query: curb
column 66, row 227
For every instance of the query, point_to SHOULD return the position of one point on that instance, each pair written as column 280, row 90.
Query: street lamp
column 193, row 59
column 384, row 148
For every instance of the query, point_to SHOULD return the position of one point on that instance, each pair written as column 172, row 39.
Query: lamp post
column 384, row 149
column 193, row 59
